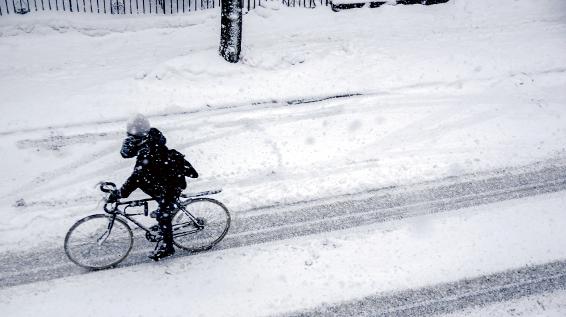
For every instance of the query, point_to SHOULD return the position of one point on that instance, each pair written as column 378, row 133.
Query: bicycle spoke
column 90, row 243
column 213, row 221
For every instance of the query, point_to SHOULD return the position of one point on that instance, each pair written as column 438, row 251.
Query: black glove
column 114, row 196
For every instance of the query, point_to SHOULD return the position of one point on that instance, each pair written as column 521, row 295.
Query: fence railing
column 133, row 6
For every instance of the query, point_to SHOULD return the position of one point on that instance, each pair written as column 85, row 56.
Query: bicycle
column 101, row 241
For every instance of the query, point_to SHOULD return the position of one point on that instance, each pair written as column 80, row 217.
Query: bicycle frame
column 114, row 210
column 80, row 239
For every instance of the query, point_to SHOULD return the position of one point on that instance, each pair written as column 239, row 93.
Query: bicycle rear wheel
column 212, row 216
column 91, row 243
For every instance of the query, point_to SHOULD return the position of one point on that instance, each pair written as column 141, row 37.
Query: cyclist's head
column 138, row 125
column 137, row 129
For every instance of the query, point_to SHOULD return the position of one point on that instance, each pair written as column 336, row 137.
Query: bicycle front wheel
column 98, row 242
column 213, row 221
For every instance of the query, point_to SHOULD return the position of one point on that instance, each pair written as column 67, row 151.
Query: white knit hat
column 138, row 125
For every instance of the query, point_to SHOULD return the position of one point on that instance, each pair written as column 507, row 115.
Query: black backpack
column 178, row 168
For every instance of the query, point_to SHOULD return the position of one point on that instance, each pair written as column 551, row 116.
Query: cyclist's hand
column 114, row 196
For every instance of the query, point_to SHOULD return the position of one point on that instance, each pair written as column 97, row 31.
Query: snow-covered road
column 457, row 296
column 324, row 215
column 416, row 262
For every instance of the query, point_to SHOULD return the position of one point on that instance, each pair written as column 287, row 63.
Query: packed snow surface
column 465, row 86
column 302, row 273
column 424, row 92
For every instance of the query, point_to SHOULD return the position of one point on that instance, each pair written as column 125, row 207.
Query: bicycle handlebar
column 107, row 187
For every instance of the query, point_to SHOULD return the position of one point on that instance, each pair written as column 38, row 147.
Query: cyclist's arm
column 133, row 182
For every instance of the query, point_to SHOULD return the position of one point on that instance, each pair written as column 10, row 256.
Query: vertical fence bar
column 77, row 3
column 0, row 10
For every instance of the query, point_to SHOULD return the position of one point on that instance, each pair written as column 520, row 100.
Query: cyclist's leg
column 164, row 216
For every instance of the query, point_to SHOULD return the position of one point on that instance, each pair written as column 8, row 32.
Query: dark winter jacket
column 152, row 173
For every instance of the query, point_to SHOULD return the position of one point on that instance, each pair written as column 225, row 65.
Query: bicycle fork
column 106, row 233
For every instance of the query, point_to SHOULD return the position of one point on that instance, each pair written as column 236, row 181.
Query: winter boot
column 164, row 249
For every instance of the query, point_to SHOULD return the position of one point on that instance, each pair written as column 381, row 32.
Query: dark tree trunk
column 231, row 30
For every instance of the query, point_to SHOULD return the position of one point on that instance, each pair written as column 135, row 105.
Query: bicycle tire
column 82, row 246
column 216, row 220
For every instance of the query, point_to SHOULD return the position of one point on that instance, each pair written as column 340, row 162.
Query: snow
column 296, row 274
column 466, row 89
column 547, row 305
column 425, row 92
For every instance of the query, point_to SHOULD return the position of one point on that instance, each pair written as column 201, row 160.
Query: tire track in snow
column 284, row 222
column 451, row 297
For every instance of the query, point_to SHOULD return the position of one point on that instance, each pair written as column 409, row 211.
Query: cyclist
column 159, row 172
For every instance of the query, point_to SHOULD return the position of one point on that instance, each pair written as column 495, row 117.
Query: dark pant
column 164, row 215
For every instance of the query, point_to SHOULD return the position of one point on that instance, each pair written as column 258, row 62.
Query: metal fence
column 133, row 6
